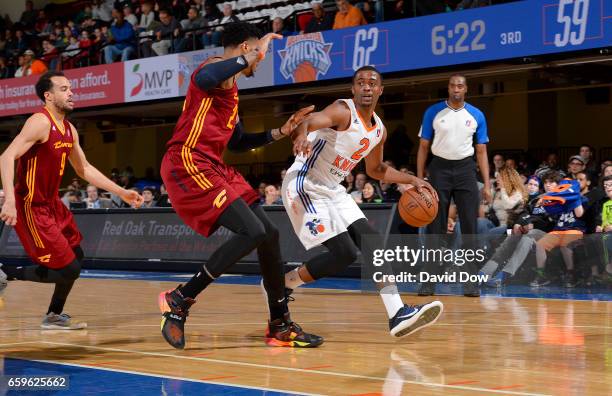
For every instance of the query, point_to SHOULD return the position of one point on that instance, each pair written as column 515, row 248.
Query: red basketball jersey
column 40, row 169
column 207, row 121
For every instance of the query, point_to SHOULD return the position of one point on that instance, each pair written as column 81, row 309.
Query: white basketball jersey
column 336, row 153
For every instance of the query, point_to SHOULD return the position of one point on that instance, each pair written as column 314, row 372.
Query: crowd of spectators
column 104, row 31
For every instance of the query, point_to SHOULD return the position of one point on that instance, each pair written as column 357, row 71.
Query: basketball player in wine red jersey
column 328, row 145
column 44, row 225
column 206, row 193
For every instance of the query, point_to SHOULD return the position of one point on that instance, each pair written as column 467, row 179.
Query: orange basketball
column 305, row 72
column 418, row 208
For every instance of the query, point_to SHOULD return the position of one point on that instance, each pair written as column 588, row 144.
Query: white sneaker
column 53, row 321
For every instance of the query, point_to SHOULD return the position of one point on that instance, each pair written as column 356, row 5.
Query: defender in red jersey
column 207, row 194
column 44, row 225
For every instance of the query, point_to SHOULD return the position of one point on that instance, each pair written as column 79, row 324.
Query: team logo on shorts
column 305, row 57
column 315, row 227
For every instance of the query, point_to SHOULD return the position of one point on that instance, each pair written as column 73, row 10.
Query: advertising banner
column 91, row 86
column 152, row 78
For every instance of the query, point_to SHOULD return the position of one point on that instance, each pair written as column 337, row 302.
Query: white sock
column 293, row 280
column 392, row 300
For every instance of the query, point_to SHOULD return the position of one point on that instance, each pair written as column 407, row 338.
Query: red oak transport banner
column 92, row 86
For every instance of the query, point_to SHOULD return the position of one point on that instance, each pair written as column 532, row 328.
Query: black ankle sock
column 56, row 306
column 278, row 310
column 196, row 284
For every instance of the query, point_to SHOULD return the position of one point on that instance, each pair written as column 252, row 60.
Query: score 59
column 577, row 17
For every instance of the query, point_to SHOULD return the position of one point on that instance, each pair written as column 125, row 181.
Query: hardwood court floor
column 480, row 346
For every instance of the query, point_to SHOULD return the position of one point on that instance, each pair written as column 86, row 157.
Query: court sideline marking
column 265, row 366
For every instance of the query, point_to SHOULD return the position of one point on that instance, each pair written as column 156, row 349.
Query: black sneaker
column 286, row 333
column 570, row 280
column 175, row 309
column 427, row 289
column 411, row 318
column 540, row 280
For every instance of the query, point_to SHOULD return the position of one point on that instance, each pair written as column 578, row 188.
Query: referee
column 452, row 128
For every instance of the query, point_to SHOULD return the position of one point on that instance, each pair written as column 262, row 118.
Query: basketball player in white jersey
column 328, row 145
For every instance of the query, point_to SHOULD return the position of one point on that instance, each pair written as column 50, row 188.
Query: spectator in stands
column 5, row 72
column 590, row 166
column 122, row 38
column 261, row 189
column 34, row 65
column 213, row 39
column 389, row 192
column 163, row 201
column 605, row 224
column 99, row 39
column 72, row 49
column 193, row 21
column 360, row 180
column 585, row 182
column 146, row 17
column 74, row 200
column 42, row 26
column 551, row 163
column 349, row 183
column 568, row 229
column 21, row 40
column 368, row 10
column 94, row 201
column 148, row 195
column 575, row 165
column 320, row 20
column 10, row 44
column 100, row 10
column 369, row 193
column 347, row 15
column 531, row 225
column 211, row 12
column 23, row 69
column 508, row 202
column 129, row 16
column 28, row 17
column 510, row 163
column 498, row 163
column 2, row 197
column 278, row 26
column 164, row 33
column 50, row 55
column 272, row 195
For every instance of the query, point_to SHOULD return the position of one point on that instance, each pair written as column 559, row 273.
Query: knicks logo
column 305, row 57
column 220, row 200
column 45, row 259
column 344, row 164
column 315, row 227
column 60, row 145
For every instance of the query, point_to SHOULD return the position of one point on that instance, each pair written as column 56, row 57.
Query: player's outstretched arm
column 35, row 130
column 337, row 115
column 377, row 169
column 242, row 141
column 88, row 172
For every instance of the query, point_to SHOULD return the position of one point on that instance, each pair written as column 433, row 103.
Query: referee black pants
column 454, row 179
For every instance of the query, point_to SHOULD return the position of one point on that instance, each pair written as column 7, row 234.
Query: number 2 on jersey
column 365, row 144
column 63, row 164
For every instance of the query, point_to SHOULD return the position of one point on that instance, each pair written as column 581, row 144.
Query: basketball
column 418, row 208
